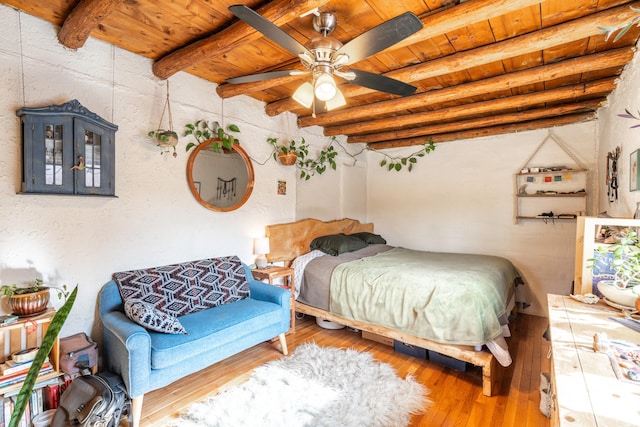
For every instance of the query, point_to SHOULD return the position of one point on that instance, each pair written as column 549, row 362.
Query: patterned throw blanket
column 188, row 287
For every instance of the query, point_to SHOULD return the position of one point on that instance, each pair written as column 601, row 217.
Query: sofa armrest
column 128, row 351
column 270, row 293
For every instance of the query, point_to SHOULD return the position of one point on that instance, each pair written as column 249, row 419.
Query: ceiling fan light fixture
column 336, row 102
column 304, row 95
column 325, row 88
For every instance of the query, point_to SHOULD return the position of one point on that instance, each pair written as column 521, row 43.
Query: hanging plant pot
column 166, row 138
column 287, row 159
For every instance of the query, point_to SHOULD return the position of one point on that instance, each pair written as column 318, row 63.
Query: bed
column 340, row 289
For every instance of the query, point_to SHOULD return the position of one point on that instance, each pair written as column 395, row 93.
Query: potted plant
column 165, row 139
column 29, row 300
column 288, row 154
column 624, row 288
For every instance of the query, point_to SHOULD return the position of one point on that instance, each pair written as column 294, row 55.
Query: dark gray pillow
column 336, row 244
column 370, row 238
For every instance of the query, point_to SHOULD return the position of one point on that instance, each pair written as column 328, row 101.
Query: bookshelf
column 28, row 333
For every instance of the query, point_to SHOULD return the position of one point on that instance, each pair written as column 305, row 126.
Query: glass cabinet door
column 51, row 155
column 94, row 163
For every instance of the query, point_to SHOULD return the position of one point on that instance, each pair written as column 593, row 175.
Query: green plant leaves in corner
column 45, row 348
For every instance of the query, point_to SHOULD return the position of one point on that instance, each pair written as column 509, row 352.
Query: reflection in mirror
column 220, row 181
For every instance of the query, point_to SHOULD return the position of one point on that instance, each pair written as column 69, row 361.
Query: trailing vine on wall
column 203, row 130
column 309, row 166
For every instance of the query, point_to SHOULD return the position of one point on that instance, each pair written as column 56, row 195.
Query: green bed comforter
column 445, row 297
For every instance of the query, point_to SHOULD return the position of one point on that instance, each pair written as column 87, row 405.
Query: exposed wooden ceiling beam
column 278, row 11
column 588, row 63
column 83, row 19
column 561, row 94
column 540, row 40
column 495, row 120
column 434, row 24
column 491, row 131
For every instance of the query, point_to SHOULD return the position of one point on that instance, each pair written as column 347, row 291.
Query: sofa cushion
column 155, row 320
column 188, row 287
column 210, row 329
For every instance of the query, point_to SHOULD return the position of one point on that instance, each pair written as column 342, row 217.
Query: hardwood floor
column 457, row 396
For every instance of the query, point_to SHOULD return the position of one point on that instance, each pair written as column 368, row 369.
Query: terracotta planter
column 30, row 304
column 287, row 159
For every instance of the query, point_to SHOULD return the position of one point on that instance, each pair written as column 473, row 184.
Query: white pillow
column 299, row 265
column 148, row 316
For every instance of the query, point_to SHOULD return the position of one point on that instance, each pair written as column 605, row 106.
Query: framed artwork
column 282, row 188
column 633, row 171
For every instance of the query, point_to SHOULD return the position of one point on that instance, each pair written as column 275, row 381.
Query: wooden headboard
column 288, row 240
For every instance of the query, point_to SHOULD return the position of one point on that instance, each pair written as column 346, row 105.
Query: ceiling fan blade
column 267, row 28
column 263, row 76
column 381, row 37
column 381, row 83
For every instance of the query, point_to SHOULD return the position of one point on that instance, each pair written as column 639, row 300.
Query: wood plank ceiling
column 481, row 67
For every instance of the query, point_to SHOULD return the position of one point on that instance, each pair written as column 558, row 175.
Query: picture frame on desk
column 634, row 174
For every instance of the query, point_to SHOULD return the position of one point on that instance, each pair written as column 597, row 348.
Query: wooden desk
column 587, row 391
column 286, row 274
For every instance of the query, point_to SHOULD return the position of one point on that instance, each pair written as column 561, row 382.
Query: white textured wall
column 614, row 131
column 460, row 198
column 154, row 220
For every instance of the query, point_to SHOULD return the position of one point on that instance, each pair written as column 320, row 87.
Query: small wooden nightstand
column 286, row 274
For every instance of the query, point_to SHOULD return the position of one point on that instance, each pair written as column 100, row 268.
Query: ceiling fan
column 323, row 57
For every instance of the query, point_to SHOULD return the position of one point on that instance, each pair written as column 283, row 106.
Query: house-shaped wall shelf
column 551, row 184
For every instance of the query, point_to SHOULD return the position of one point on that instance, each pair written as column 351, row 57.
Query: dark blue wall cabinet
column 67, row 149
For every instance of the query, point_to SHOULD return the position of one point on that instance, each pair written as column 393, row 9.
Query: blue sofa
column 149, row 360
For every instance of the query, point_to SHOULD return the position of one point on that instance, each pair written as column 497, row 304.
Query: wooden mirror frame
column 247, row 191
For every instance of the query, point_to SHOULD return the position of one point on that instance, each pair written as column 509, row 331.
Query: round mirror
column 220, row 180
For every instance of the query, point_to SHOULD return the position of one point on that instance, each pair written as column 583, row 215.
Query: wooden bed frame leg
column 488, row 377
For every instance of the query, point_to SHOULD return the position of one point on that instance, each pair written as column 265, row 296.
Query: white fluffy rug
column 315, row 386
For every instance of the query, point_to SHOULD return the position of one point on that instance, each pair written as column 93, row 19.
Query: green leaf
column 383, row 162
column 391, row 166
column 189, row 145
column 234, row 128
column 398, row 167
column 410, row 168
column 43, row 352
column 413, row 160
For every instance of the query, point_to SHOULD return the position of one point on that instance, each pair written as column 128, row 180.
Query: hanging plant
column 202, row 131
column 166, row 139
column 298, row 154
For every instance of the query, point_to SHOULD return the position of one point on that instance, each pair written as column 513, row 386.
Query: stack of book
column 12, row 372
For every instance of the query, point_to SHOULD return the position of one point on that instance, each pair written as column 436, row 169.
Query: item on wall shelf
column 166, row 139
column 550, row 184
